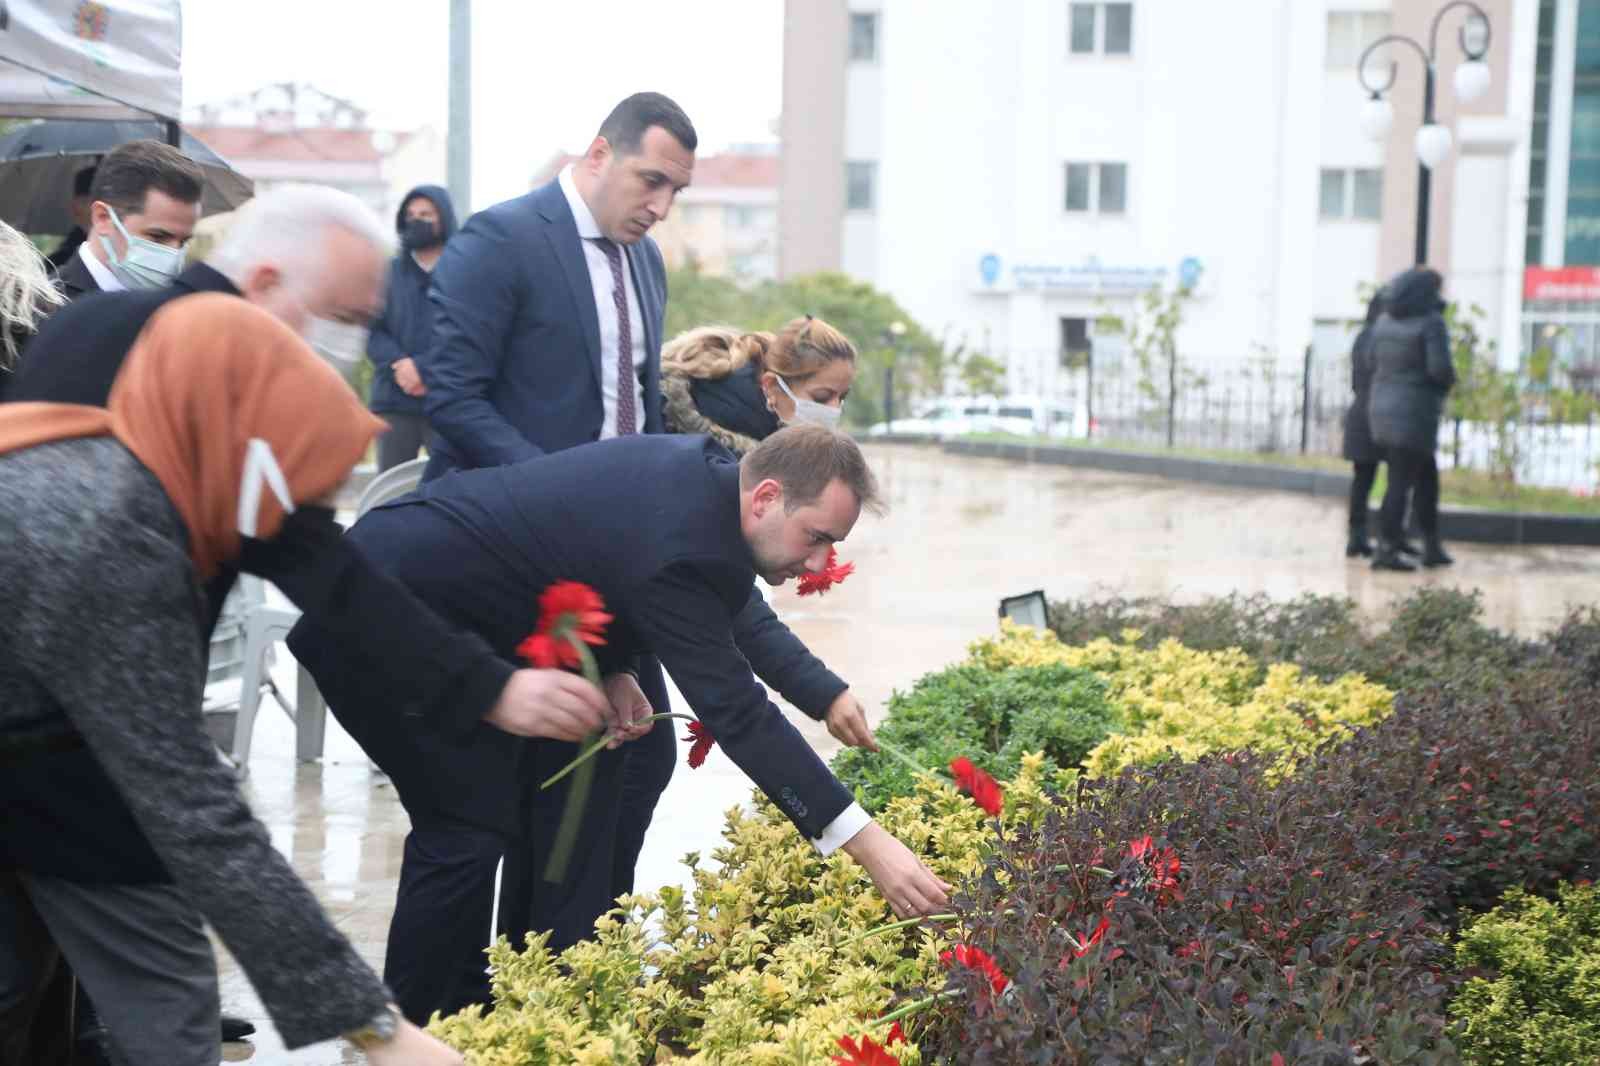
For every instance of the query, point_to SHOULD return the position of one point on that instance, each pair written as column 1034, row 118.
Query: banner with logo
column 115, row 59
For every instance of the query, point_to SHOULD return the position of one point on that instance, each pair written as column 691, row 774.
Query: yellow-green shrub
column 1538, row 999
column 1180, row 702
column 753, row 966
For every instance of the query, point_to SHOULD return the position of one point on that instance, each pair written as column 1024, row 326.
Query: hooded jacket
column 405, row 328
column 1412, row 370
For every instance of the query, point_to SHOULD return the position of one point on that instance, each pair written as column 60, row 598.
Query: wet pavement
column 961, row 533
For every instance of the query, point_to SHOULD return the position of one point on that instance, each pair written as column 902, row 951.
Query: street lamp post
column 897, row 330
column 1433, row 140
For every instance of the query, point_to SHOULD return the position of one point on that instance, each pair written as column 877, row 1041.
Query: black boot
column 236, row 1028
column 1389, row 558
column 1407, row 547
column 1434, row 554
column 1358, row 544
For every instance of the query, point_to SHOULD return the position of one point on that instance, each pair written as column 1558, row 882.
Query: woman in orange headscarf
column 119, row 822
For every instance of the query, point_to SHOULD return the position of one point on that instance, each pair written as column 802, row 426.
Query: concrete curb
column 1460, row 524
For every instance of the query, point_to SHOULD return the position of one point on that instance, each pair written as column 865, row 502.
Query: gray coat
column 101, row 638
column 1412, row 370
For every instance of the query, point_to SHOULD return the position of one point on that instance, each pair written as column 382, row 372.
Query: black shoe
column 1435, row 555
column 1357, row 545
column 1407, row 547
column 1389, row 558
column 235, row 1028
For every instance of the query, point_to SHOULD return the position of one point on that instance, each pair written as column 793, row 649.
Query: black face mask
column 418, row 233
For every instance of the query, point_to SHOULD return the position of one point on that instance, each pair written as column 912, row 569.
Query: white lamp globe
column 1472, row 79
column 1377, row 115
column 1433, row 144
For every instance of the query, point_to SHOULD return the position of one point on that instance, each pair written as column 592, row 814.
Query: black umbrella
column 38, row 162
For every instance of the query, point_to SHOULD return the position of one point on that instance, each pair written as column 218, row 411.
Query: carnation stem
column 892, row 926
column 598, row 741
column 910, row 763
column 555, row 867
column 1067, row 867
column 921, row 1004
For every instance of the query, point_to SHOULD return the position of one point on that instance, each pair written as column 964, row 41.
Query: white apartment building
column 1012, row 170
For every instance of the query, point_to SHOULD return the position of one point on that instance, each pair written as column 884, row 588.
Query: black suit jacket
column 74, row 279
column 75, row 359
column 514, row 367
column 672, row 565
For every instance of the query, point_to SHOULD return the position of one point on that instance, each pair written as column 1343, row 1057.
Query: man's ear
column 768, row 494
column 262, row 280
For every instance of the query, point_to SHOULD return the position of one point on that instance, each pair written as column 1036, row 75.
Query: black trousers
column 647, row 769
column 1413, row 477
column 407, row 434
column 1361, row 495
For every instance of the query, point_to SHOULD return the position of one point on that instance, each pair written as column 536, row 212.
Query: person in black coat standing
column 1412, row 373
column 425, row 221
column 1359, row 447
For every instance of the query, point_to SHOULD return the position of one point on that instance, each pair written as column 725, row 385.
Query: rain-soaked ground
column 960, row 534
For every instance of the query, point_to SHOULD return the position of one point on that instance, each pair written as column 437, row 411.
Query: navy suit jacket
column 514, row 368
column 480, row 546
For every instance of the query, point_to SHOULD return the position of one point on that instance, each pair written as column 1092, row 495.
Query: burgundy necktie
column 627, row 419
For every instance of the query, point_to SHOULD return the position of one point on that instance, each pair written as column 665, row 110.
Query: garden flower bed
column 1202, row 854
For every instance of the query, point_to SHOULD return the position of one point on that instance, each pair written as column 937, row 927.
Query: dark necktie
column 627, row 419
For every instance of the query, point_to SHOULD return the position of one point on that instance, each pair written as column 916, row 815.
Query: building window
column 864, row 36
column 860, row 183
column 1349, row 33
column 1356, row 194
column 1100, row 29
column 1101, row 188
column 1076, row 342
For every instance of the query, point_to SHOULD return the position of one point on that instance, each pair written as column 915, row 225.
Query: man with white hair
column 315, row 258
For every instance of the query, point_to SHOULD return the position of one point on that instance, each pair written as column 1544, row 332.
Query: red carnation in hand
column 868, row 1053
column 832, row 573
column 701, row 743
column 978, row 959
column 567, row 608
column 983, row 789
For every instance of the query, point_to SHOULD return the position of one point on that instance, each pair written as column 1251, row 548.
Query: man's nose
column 661, row 203
column 817, row 561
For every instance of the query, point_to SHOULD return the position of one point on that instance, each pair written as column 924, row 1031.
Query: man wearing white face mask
column 144, row 203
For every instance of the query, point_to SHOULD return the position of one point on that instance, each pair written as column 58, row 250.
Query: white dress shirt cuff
column 851, row 821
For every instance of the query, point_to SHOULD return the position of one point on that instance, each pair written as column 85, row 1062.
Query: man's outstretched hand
column 913, row 890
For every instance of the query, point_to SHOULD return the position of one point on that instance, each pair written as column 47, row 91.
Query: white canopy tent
column 104, row 59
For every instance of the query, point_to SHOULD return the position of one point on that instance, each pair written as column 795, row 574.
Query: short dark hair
column 131, row 170
column 83, row 181
column 805, row 459
column 625, row 127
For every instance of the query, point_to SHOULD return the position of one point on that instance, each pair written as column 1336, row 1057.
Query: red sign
column 1578, row 284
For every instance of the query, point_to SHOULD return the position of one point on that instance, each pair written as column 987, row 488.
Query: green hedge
column 993, row 717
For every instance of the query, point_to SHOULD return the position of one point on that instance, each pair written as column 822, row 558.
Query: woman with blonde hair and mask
column 742, row 387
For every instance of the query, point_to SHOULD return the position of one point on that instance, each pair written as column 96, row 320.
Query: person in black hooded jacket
column 1359, row 447
column 425, row 221
column 1412, row 373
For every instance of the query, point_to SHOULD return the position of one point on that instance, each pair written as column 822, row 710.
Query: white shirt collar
column 101, row 273
column 588, row 228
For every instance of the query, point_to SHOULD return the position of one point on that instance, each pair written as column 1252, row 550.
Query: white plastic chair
column 392, row 484
column 263, row 625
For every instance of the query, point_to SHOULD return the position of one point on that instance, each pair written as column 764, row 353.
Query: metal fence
column 1233, row 404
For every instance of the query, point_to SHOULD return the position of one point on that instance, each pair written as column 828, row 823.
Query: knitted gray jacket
column 100, row 628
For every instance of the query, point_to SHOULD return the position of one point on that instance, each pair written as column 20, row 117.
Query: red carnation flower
column 983, row 789
column 832, row 573
column 867, row 1053
column 897, row 1035
column 701, row 742
column 978, row 959
column 566, row 609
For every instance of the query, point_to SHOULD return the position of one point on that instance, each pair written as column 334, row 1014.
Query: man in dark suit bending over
column 675, row 565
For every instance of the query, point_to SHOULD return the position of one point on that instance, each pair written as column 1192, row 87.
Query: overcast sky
column 544, row 73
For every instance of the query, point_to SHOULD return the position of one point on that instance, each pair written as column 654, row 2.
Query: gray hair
column 25, row 290
column 284, row 227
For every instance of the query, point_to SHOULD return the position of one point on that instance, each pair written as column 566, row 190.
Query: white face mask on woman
column 811, row 410
column 341, row 343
